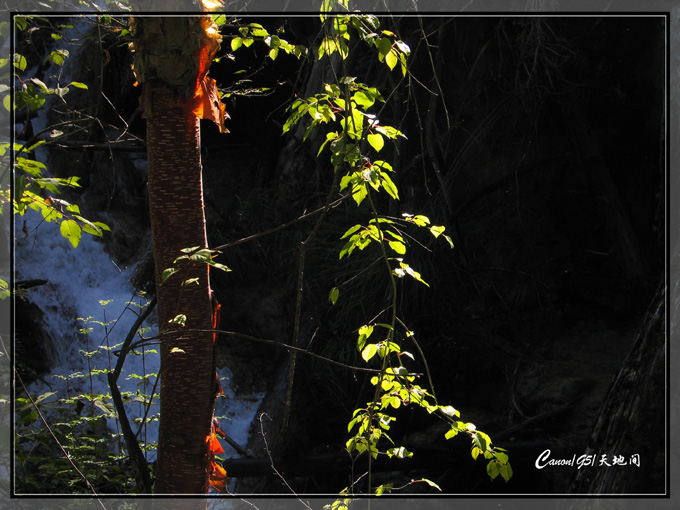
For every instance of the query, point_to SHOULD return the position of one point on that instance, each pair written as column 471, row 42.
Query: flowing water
column 89, row 307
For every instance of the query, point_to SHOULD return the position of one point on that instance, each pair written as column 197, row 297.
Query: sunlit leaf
column 369, row 351
column 437, row 230
column 391, row 59
column 71, row 231
column 20, row 62
column 167, row 273
column 236, row 43
column 389, row 186
column 506, row 472
column 398, row 247
column 180, row 320
column 376, row 141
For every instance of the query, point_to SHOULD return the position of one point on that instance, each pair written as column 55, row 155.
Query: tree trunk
column 177, row 222
column 172, row 56
column 632, row 419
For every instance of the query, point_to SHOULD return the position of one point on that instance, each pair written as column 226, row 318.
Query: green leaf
column 20, row 62
column 364, row 333
column 219, row 266
column 78, row 85
column 483, row 440
column 376, row 141
column 389, row 186
column 431, row 483
column 391, row 59
column 506, row 472
column 71, row 231
column 369, row 351
column 419, row 219
column 258, row 30
column 58, row 56
column 95, row 228
column 334, row 294
column 363, row 99
column 34, row 168
column 398, row 246
column 107, row 409
column 327, row 47
column 236, row 43
column 90, row 227
column 4, row 289
column 493, row 469
column 502, row 457
column 451, row 433
column 167, row 273
column 180, row 320
column 351, row 231
column 43, row 88
column 359, row 192
column 402, row 61
column 384, row 46
column 437, row 230
column 389, row 132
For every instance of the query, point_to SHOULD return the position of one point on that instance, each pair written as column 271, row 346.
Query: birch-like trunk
column 177, row 222
column 172, row 55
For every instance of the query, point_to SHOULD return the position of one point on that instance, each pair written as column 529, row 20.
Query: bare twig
column 147, row 341
column 271, row 460
column 322, row 209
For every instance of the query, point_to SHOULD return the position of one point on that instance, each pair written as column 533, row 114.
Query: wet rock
column 33, row 344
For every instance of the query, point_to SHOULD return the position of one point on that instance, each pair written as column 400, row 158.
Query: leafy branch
column 354, row 132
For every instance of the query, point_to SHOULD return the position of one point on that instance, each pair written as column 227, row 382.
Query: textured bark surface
column 177, row 222
column 633, row 417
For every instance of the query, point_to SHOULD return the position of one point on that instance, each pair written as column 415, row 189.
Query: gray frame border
column 452, row 7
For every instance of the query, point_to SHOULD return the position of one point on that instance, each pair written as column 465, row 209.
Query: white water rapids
column 86, row 289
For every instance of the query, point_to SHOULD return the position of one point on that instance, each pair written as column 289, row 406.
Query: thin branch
column 271, row 460
column 128, row 339
column 282, row 226
column 136, row 455
column 147, row 341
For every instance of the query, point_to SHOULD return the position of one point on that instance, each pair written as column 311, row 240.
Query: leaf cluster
column 353, row 134
column 32, row 188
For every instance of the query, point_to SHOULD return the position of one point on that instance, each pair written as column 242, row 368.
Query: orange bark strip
column 207, row 102
column 218, row 477
column 216, row 317
column 208, row 105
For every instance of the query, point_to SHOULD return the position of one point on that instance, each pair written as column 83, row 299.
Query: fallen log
column 335, row 462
